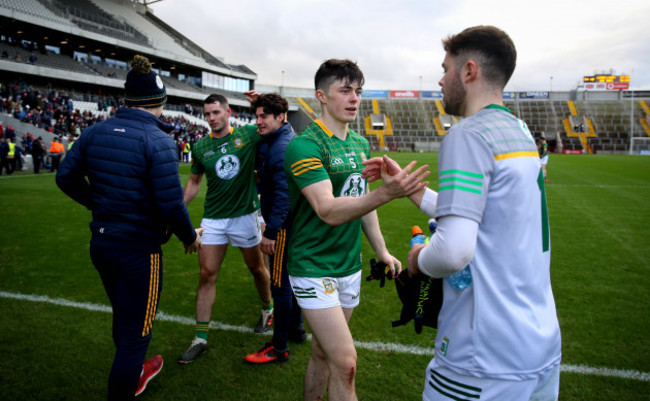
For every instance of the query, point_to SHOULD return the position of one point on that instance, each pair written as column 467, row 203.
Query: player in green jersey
column 227, row 158
column 330, row 205
column 542, row 148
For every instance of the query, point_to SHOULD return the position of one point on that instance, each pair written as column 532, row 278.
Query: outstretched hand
column 373, row 167
column 403, row 182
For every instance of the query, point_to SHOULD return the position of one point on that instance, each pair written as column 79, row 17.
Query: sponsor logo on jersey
column 329, row 286
column 227, row 167
column 363, row 156
column 210, row 153
column 119, row 129
column 239, row 143
column 336, row 161
column 354, row 186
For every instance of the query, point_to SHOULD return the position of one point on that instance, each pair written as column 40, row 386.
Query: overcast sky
column 397, row 42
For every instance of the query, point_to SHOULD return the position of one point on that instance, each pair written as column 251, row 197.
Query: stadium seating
column 394, row 123
column 35, row 8
column 89, row 16
column 46, row 60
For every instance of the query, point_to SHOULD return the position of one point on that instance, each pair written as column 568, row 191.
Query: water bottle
column 458, row 281
column 418, row 236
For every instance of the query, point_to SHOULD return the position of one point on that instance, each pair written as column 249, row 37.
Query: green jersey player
column 227, row 158
column 330, row 205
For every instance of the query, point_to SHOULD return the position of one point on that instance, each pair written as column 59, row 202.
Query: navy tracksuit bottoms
column 132, row 279
column 286, row 314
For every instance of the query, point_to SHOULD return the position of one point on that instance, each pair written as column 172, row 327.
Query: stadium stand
column 89, row 16
column 33, row 8
column 83, row 47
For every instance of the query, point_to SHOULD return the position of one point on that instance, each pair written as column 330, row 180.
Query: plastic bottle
column 418, row 236
column 458, row 281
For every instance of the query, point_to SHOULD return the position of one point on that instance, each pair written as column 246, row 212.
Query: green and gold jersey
column 543, row 150
column 228, row 164
column 317, row 249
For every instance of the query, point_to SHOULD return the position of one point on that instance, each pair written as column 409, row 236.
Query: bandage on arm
column 451, row 248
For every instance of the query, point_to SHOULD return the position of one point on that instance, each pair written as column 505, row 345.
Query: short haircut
column 271, row 103
column 493, row 48
column 333, row 69
column 217, row 98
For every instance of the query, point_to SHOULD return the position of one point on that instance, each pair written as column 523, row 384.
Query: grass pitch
column 600, row 225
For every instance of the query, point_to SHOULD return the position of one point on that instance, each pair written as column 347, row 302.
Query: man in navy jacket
column 125, row 170
column 271, row 110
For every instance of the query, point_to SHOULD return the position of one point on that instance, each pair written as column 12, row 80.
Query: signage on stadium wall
column 374, row 93
column 404, row 94
column 533, row 95
column 572, row 152
column 431, row 94
column 509, row 95
column 607, row 86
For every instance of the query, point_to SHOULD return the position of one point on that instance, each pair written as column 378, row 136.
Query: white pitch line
column 373, row 346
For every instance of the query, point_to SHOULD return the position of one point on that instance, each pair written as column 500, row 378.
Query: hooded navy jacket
column 132, row 188
column 273, row 187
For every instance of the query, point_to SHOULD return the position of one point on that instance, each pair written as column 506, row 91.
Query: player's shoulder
column 355, row 136
column 312, row 130
column 246, row 130
column 201, row 143
column 313, row 133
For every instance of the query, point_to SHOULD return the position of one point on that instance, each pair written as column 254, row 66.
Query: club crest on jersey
column 354, row 186
column 239, row 143
column 444, row 346
column 328, row 285
column 227, row 167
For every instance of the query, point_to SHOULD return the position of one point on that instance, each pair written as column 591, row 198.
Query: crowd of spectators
column 49, row 109
column 53, row 110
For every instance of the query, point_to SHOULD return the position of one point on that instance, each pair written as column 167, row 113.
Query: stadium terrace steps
column 158, row 38
column 35, row 8
column 20, row 55
column 105, row 70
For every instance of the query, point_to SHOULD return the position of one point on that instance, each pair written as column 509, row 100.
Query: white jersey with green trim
column 505, row 325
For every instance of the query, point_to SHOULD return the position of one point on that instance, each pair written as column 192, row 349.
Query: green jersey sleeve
column 303, row 162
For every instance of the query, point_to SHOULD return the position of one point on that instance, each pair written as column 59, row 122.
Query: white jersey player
column 498, row 339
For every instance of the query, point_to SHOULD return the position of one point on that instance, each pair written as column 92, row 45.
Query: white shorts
column 243, row 231
column 443, row 385
column 544, row 160
column 327, row 292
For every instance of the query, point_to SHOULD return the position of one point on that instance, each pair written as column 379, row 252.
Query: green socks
column 269, row 306
column 202, row 330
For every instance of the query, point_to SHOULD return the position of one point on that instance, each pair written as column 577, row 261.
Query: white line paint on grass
column 373, row 346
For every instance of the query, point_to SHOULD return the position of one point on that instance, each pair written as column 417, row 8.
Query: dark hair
column 333, row 69
column 217, row 98
column 271, row 103
column 494, row 49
